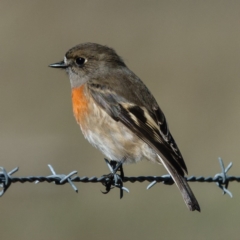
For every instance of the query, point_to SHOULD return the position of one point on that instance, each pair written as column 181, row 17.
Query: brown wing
column 150, row 126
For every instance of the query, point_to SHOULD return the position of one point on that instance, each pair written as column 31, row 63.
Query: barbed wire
column 113, row 179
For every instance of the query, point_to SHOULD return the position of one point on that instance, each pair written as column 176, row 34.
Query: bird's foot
column 113, row 179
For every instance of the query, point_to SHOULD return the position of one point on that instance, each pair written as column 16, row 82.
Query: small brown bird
column 118, row 114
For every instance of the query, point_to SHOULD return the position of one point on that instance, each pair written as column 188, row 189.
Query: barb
column 112, row 180
column 6, row 180
column 225, row 181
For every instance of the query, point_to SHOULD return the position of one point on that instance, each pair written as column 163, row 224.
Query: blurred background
column 187, row 53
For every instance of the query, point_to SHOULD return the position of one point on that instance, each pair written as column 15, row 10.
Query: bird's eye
column 80, row 61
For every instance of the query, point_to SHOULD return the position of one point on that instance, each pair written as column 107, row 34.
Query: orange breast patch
column 80, row 103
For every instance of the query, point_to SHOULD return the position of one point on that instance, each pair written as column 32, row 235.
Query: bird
column 118, row 114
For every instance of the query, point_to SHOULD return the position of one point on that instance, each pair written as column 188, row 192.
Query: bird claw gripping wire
column 113, row 179
column 6, row 179
column 62, row 178
column 223, row 177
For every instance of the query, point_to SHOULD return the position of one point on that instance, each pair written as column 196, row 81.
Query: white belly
column 113, row 139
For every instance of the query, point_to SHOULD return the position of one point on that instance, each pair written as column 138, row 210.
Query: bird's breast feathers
column 111, row 137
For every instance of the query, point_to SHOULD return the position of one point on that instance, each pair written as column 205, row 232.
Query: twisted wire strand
column 221, row 179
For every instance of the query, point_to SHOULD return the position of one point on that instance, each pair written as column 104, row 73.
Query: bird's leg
column 114, row 179
column 117, row 166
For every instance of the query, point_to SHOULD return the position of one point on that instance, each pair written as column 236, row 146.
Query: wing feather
column 151, row 127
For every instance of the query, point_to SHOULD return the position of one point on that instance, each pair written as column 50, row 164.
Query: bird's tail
column 183, row 186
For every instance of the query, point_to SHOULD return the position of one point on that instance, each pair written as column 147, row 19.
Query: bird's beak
column 58, row 65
